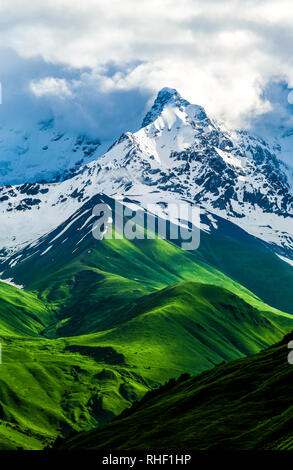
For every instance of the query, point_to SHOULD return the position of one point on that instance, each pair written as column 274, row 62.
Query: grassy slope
column 228, row 249
column 46, row 390
column 248, row 261
column 189, row 327
column 246, row 404
column 49, row 387
column 122, row 331
column 104, row 277
column 22, row 313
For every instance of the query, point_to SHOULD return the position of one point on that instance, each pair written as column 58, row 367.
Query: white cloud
column 50, row 86
column 217, row 54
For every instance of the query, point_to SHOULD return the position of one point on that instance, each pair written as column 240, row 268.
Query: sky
column 97, row 65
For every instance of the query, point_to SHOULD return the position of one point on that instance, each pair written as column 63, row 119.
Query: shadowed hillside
column 246, row 404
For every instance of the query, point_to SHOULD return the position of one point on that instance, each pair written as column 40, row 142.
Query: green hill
column 227, row 256
column 49, row 387
column 89, row 290
column 100, row 323
column 21, row 312
column 246, row 404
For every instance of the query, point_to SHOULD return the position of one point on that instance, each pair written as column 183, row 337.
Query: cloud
column 85, row 109
column 50, row 86
column 221, row 55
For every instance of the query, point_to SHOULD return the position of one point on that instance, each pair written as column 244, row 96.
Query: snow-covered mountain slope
column 283, row 149
column 42, row 153
column 80, row 224
column 179, row 153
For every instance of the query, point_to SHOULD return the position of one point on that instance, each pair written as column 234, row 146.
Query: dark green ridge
column 243, row 405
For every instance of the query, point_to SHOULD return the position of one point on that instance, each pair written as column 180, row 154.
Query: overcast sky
column 102, row 62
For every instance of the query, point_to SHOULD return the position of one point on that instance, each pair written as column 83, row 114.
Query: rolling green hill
column 246, row 404
column 21, row 312
column 89, row 289
column 49, row 387
column 227, row 256
column 100, row 323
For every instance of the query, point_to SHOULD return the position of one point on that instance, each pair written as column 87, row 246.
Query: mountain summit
column 179, row 153
column 167, row 96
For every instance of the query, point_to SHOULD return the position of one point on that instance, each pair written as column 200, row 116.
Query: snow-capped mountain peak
column 179, row 153
column 165, row 97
